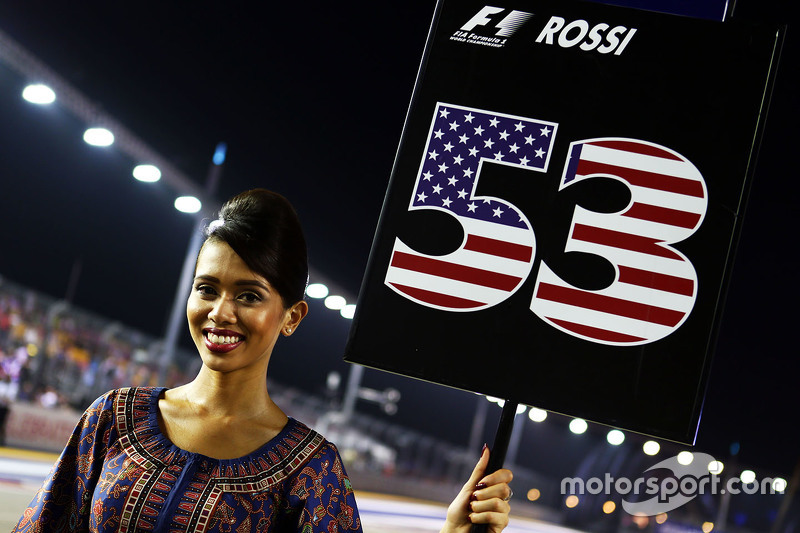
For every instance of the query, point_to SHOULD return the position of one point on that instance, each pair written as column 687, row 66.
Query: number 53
column 655, row 286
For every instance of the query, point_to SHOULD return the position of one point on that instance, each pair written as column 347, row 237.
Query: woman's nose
column 223, row 312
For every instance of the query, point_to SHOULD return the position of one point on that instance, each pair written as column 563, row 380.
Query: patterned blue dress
column 118, row 472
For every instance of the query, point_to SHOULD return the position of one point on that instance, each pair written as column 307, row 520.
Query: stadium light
column 747, row 477
column 188, row 204
column 716, row 467
column 335, row 302
column 685, row 458
column 348, row 311
column 38, row 93
column 615, row 437
column 98, row 137
column 147, row 173
column 537, row 415
column 578, row 426
column 317, row 290
column 779, row 484
column 651, row 447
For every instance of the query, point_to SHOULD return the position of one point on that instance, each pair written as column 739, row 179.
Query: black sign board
column 560, row 220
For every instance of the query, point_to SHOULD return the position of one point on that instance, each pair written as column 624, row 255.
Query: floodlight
column 335, row 302
column 98, row 137
column 317, row 290
column 38, row 93
column 147, row 173
column 187, row 204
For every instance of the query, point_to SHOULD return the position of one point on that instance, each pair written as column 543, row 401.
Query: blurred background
column 310, row 101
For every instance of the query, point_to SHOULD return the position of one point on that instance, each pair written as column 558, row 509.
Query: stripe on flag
column 497, row 252
column 656, row 286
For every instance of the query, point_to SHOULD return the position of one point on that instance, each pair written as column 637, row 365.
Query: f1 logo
column 506, row 27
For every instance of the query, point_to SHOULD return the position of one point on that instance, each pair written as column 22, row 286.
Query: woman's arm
column 482, row 500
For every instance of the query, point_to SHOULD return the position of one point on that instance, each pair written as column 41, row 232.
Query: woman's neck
column 234, row 394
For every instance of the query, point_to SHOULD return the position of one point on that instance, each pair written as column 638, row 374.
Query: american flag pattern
column 656, row 285
column 498, row 249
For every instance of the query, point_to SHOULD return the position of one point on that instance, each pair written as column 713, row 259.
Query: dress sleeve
column 64, row 500
column 330, row 505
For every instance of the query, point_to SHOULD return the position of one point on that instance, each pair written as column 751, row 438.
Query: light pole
column 178, row 312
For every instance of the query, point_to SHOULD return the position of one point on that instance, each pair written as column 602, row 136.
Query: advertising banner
column 560, row 220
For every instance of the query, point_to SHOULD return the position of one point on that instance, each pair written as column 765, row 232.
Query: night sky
column 311, row 101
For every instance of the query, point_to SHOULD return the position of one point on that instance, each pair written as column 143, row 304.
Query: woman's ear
column 294, row 315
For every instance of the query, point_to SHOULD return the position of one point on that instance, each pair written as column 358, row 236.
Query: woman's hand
column 482, row 500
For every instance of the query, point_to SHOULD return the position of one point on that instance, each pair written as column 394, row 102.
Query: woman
column 217, row 454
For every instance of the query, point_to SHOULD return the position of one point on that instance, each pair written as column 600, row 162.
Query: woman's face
column 235, row 315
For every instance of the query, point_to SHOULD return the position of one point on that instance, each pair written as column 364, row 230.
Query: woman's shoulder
column 321, row 455
column 108, row 399
column 323, row 465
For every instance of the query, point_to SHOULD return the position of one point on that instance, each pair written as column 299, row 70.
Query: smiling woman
column 217, row 454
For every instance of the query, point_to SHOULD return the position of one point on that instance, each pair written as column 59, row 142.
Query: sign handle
column 499, row 448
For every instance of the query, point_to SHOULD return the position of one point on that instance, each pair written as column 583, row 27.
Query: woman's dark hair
column 263, row 229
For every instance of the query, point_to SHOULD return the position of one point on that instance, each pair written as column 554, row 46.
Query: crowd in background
column 55, row 355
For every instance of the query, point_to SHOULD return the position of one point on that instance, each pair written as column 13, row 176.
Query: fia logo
column 494, row 35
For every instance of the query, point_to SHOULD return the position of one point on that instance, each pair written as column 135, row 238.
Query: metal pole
column 513, row 445
column 177, row 314
column 351, row 393
column 74, row 276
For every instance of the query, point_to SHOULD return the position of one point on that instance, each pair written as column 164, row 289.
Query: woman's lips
column 221, row 345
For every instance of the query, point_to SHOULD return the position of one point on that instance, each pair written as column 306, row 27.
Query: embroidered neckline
column 136, row 413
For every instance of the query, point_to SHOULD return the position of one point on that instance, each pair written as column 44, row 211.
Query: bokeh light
column 537, row 415
column 747, row 477
column 38, row 93
column 578, row 426
column 615, row 437
column 651, row 447
column 571, row 501
column 335, row 302
column 147, row 173
column 348, row 311
column 779, row 484
column 98, row 137
column 716, row 467
column 188, row 204
column 317, row 290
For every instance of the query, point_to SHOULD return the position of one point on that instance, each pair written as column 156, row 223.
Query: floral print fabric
column 118, row 472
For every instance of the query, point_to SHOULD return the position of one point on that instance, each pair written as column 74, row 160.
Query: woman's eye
column 250, row 297
column 205, row 290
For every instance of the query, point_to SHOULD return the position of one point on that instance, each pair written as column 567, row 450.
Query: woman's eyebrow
column 238, row 283
column 253, row 282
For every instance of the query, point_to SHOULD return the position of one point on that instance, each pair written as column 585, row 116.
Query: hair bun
column 263, row 229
